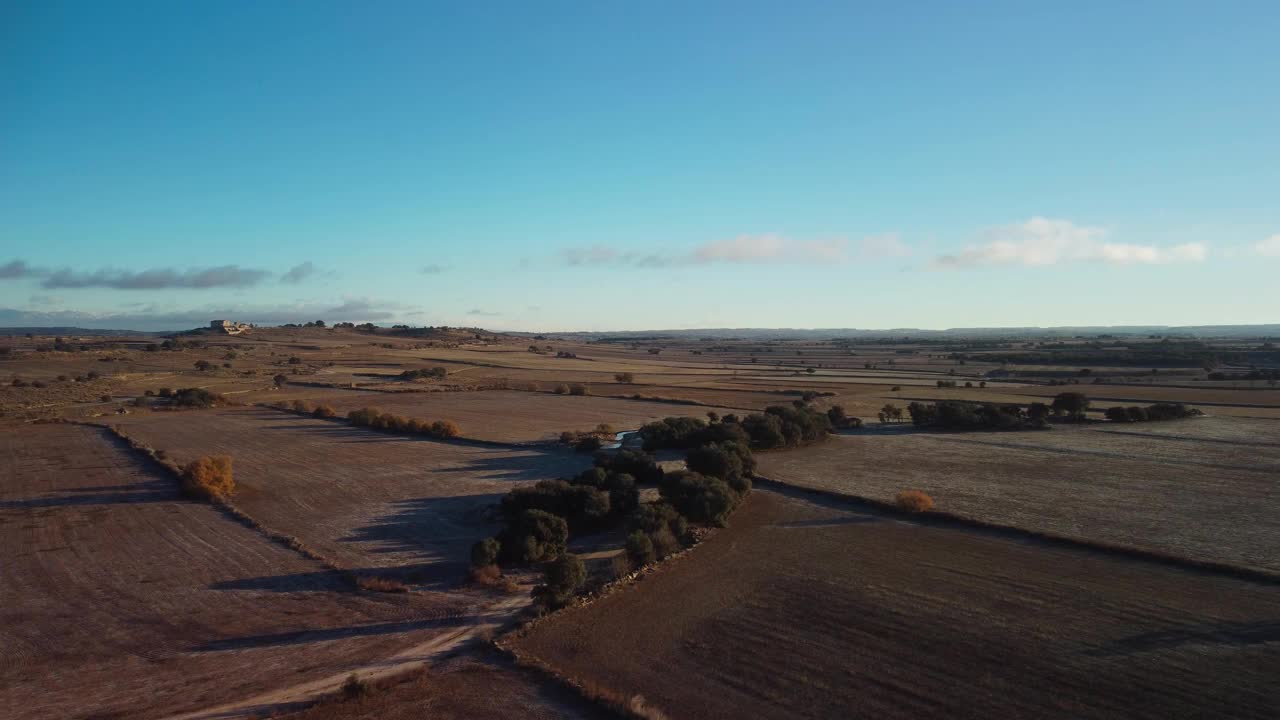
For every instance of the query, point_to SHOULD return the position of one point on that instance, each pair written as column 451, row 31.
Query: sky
column 623, row 165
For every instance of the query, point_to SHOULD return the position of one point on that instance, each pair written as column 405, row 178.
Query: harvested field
column 119, row 599
column 1202, row 488
column 804, row 608
column 463, row 689
column 362, row 498
column 520, row 417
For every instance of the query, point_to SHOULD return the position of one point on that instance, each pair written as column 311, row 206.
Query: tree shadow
column 1253, row 632
column 305, row 637
column 436, row 532
column 148, row 491
column 320, row 581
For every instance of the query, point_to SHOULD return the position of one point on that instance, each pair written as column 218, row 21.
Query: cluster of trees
column 374, row 418
column 566, row 354
column 589, row 441
column 193, row 397
column 1158, row 411
column 574, row 389
column 321, row 411
column 961, row 415
column 435, row 373
column 540, row 519
column 842, row 421
column 778, row 426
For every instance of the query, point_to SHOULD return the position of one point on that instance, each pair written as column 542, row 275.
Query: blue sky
column 558, row 166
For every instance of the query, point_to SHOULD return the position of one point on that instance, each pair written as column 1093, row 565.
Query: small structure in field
column 229, row 327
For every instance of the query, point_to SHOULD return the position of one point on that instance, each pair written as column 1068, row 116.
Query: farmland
column 806, row 608
column 145, row 604
column 1197, row 488
column 365, row 499
column 141, row 603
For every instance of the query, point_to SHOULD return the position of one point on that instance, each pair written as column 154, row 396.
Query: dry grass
column 380, row 583
column 913, row 501
column 209, row 478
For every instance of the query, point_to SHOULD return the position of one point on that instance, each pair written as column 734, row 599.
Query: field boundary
column 945, row 519
column 230, row 510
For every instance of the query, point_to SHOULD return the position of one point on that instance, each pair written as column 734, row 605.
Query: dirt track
column 803, row 608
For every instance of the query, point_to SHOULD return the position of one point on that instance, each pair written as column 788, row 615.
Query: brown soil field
column 119, row 599
column 1202, row 488
column 517, row 416
column 482, row 688
column 804, row 608
column 362, row 498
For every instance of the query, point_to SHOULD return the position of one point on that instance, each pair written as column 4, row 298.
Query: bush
column 301, row 406
column 588, row 444
column 209, row 478
column 914, row 501
column 582, row 506
column 535, row 536
column 727, row 461
column 485, row 552
column 280, row 380
column 445, row 429
column 324, row 412
column 640, row 549
column 1073, row 404
column 626, row 378
column 577, row 389
column 638, row 464
column 195, row 398
column 698, row 497
column 380, row 583
column 562, row 577
column 562, row 389
column 355, row 688
column 652, row 517
column 1117, row 414
column 435, row 373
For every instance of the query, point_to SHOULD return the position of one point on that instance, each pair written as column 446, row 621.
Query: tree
column 1074, row 404
column 561, row 579
column 280, row 380
column 626, row 378
column 204, row 365
column 485, row 552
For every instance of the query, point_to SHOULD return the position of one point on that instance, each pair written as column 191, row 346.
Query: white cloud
column 772, row 248
column 746, row 249
column 1269, row 247
column 1043, row 241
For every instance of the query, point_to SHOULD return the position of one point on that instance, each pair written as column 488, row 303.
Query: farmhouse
column 229, row 327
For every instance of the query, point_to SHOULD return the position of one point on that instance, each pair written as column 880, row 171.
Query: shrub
column 561, row 579
column 913, row 501
column 640, row 549
column 638, row 464
column 535, row 536
column 577, row 389
column 582, row 506
column 652, row 517
column 625, row 378
column 106, row 397
column 485, row 552
column 302, row 406
column 165, row 392
column 204, row 365
column 364, row 416
column 380, row 583
column 728, row 461
column 355, row 688
column 698, row 497
column 324, row 411
column 280, row 380
column 664, row 542
column 209, row 478
column 445, row 428
column 588, row 444
column 195, row 398
column 1117, row 414
column 562, row 389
